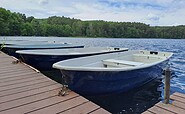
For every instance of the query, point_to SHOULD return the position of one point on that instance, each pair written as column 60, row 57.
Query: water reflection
column 134, row 101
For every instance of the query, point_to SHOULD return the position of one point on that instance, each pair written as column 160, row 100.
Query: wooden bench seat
column 114, row 62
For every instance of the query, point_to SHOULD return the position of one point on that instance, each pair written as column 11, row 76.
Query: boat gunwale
column 41, row 46
column 103, row 69
column 25, row 52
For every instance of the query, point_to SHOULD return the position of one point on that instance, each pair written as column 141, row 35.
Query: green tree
column 4, row 16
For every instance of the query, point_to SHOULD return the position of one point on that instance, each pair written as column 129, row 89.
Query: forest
column 17, row 24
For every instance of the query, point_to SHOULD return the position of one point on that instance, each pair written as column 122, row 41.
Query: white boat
column 11, row 49
column 113, row 72
column 43, row 59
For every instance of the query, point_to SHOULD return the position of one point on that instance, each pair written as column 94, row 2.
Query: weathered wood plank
column 177, row 98
column 60, row 106
column 21, row 81
column 22, row 76
column 16, row 75
column 14, row 70
column 5, row 88
column 42, row 104
column 11, row 65
column 28, row 93
column 171, row 108
column 11, row 68
column 26, row 88
column 85, row 108
column 3, row 64
column 179, row 94
column 158, row 110
column 179, row 104
column 7, row 59
column 30, row 99
column 3, row 54
column 22, row 90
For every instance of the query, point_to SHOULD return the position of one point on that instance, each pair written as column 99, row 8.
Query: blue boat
column 11, row 49
column 112, row 73
column 44, row 59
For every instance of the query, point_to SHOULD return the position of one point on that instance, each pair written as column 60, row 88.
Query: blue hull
column 11, row 51
column 108, row 82
column 45, row 62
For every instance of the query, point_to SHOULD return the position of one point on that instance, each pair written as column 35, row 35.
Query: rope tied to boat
column 65, row 90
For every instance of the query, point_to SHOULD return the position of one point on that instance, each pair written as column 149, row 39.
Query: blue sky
column 153, row 12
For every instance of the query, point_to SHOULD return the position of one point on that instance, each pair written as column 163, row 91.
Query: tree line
column 17, row 24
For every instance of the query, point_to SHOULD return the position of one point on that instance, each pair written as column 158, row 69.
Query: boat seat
column 114, row 62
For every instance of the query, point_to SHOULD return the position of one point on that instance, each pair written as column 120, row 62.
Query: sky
column 152, row 12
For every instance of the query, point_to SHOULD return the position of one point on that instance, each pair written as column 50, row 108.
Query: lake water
column 138, row 99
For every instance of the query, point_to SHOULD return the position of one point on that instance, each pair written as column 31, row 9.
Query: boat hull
column 45, row 62
column 12, row 51
column 108, row 82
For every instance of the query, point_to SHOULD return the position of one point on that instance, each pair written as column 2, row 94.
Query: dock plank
column 179, row 104
column 14, row 70
column 21, row 81
column 84, row 108
column 24, row 90
column 27, row 100
column 19, row 85
column 171, row 108
column 177, row 98
column 179, row 94
column 10, row 67
column 28, row 75
column 60, row 106
column 28, row 93
column 39, row 105
column 16, row 75
column 159, row 110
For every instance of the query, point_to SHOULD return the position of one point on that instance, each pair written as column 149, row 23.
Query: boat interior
column 121, row 60
column 131, row 60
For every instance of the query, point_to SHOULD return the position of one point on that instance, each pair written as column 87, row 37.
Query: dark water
column 139, row 99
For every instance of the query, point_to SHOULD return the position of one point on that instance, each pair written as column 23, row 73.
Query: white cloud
column 43, row 2
column 153, row 17
column 153, row 12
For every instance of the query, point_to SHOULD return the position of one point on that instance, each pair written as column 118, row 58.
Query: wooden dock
column 23, row 90
column 177, row 106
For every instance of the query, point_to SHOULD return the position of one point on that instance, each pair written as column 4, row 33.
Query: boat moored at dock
column 113, row 72
column 43, row 59
column 11, row 49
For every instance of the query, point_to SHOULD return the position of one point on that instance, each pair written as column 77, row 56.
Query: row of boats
column 92, row 70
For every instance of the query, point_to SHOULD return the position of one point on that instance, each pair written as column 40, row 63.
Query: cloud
column 153, row 12
column 43, row 2
column 131, row 4
column 153, row 17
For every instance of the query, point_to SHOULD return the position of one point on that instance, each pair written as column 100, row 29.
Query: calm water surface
column 138, row 99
